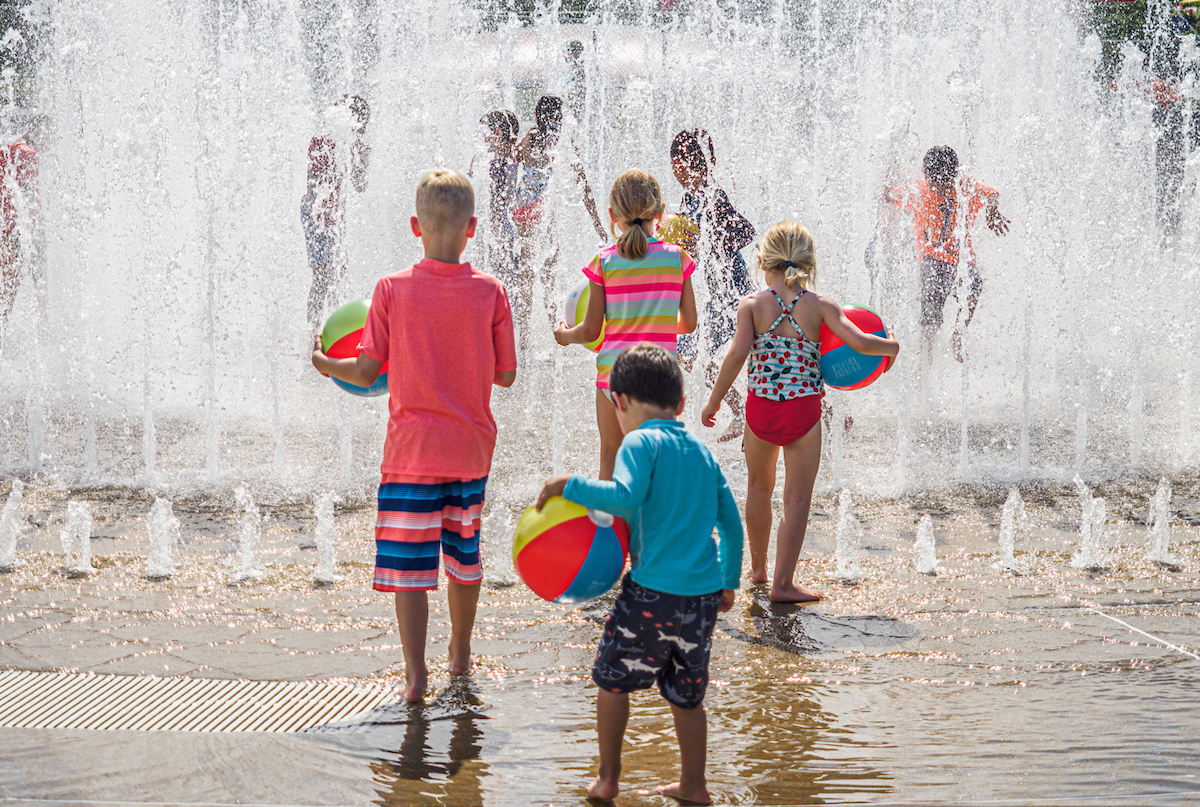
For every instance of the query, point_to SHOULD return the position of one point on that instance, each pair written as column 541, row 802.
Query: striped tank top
column 641, row 299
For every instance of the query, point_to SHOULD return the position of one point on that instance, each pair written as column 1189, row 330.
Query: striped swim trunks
column 420, row 517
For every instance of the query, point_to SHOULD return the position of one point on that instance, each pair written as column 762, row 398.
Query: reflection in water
column 447, row 769
column 804, row 630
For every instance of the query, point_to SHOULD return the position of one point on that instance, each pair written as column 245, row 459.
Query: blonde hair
column 788, row 247
column 635, row 199
column 445, row 199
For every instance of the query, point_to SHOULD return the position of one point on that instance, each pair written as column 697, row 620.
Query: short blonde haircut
column 445, row 200
column 635, row 199
column 788, row 247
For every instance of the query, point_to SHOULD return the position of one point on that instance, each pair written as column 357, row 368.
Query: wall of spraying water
column 171, row 348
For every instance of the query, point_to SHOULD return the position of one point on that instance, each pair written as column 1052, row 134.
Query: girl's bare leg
column 610, row 434
column 761, row 459
column 801, row 459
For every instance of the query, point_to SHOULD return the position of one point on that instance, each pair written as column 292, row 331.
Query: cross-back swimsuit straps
column 785, row 385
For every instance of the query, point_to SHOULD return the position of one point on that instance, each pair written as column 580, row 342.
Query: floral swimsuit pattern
column 782, row 367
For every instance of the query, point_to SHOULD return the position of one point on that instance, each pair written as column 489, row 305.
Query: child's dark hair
column 547, row 114
column 502, row 122
column 360, row 108
column 941, row 164
column 694, row 147
column 649, row 374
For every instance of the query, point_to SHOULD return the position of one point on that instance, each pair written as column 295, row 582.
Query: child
column 783, row 405
column 500, row 136
column 331, row 155
column 641, row 286
column 672, row 492
column 934, row 202
column 447, row 331
column 722, row 232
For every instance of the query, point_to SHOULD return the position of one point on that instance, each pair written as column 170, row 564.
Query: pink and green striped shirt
column 641, row 299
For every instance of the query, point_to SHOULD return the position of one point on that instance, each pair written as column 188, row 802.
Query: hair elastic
column 788, row 265
column 636, row 221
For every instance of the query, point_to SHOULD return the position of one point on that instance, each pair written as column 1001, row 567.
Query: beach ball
column 677, row 229
column 569, row 554
column 576, row 310
column 844, row 367
column 340, row 338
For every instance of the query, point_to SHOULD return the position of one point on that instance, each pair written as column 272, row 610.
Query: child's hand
column 727, row 596
column 560, row 336
column 554, row 487
column 708, row 415
column 892, row 363
column 318, row 353
column 995, row 221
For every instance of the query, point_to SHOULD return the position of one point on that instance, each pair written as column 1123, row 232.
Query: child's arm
column 739, row 349
column 866, row 343
column 588, row 201
column 362, row 370
column 504, row 379
column 623, row 496
column 687, row 309
column 593, row 320
column 360, row 156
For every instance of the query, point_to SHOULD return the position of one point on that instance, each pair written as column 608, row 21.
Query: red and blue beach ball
column 340, row 338
column 570, row 554
column 842, row 366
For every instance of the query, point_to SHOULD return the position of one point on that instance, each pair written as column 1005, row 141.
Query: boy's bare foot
column 692, row 796
column 734, row 431
column 758, row 575
column 794, row 593
column 603, row 789
column 415, row 684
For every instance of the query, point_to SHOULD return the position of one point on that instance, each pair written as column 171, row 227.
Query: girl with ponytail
column 640, row 288
column 779, row 329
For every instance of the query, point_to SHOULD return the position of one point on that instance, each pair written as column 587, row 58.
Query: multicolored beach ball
column 844, row 367
column 576, row 309
column 570, row 554
column 340, row 338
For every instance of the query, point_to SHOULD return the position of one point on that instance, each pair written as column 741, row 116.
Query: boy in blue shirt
column 672, row 492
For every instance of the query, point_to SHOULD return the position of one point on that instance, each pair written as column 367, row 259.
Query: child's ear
column 416, row 226
column 682, row 405
column 471, row 226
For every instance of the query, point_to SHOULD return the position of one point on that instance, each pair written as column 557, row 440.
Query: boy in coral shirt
column 447, row 331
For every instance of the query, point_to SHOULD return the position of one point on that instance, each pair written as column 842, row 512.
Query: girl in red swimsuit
column 779, row 330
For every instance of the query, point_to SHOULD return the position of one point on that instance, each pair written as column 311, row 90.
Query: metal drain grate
column 144, row 703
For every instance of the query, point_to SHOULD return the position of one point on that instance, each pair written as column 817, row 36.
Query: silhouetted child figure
column 934, row 202
column 447, row 332
column 659, row 631
column 722, row 233
column 335, row 152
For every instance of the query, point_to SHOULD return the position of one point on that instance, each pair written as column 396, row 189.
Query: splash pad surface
column 973, row 686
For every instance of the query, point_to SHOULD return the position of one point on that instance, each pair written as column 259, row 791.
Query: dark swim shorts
column 651, row 637
column 938, row 282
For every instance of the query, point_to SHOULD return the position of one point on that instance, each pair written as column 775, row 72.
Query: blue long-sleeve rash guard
column 670, row 489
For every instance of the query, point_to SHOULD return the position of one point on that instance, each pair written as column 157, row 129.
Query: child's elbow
column 505, row 379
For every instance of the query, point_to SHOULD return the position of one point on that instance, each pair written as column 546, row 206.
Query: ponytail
column 788, row 247
column 635, row 199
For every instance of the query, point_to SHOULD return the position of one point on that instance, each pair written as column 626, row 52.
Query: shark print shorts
column 651, row 637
